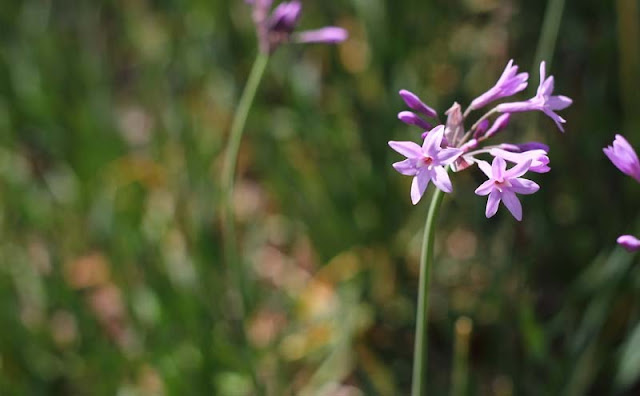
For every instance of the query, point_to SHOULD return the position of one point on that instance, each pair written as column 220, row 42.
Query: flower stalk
column 228, row 176
column 419, row 381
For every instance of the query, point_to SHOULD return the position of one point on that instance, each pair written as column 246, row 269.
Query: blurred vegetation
column 113, row 120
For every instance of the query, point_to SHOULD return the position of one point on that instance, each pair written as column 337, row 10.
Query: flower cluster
column 277, row 27
column 449, row 144
column 625, row 158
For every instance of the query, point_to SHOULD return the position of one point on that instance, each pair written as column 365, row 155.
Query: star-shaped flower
column 426, row 163
column 503, row 185
column 543, row 101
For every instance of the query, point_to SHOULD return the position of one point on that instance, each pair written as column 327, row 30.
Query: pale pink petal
column 447, row 156
column 406, row 167
column 524, row 186
column 419, row 186
column 485, row 168
column 492, row 203
column 328, row 35
column 408, row 149
column 546, row 88
column 441, row 179
column 432, row 142
column 498, row 167
column 559, row 102
column 485, row 188
column 513, row 204
column 518, row 170
column 629, row 242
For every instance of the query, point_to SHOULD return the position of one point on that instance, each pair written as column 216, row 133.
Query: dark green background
column 113, row 120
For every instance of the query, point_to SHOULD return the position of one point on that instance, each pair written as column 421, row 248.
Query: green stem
column 228, row 175
column 549, row 34
column 228, row 221
column 419, row 384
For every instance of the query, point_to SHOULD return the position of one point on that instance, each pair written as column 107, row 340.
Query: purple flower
column 543, row 101
column 508, row 84
column 411, row 118
column 624, row 157
column 499, row 124
column 426, row 163
column 284, row 17
column 629, row 242
column 328, row 35
column 413, row 101
column 481, row 128
column 277, row 28
column 503, row 185
column 539, row 161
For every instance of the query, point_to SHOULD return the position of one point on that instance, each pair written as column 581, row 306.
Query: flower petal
column 518, row 170
column 555, row 117
column 523, row 186
column 512, row 203
column 413, row 101
column 485, row 188
column 624, row 157
column 492, row 203
column 411, row 118
column 408, row 149
column 546, row 88
column 447, row 156
column 518, row 107
column 498, row 167
column 327, row 34
column 485, row 168
column 432, row 142
column 441, row 179
column 406, row 167
column 285, row 16
column 419, row 186
column 629, row 242
column 559, row 102
column 543, row 73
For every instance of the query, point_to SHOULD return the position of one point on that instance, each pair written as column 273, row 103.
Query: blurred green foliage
column 113, row 120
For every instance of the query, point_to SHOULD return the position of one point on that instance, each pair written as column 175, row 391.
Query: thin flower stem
column 549, row 34
column 228, row 176
column 234, row 265
column 419, row 383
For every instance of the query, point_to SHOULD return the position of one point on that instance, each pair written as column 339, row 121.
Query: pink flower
column 426, row 163
column 278, row 27
column 543, row 101
column 503, row 185
column 629, row 242
column 624, row 157
column 509, row 83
